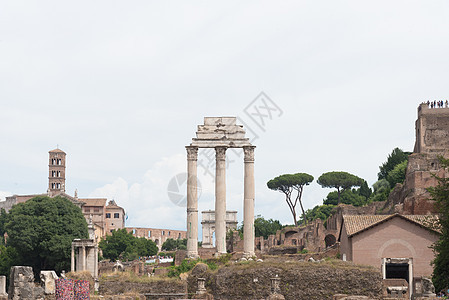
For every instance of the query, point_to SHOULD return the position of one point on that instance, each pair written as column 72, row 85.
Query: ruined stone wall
column 432, row 141
column 299, row 280
column 432, row 130
column 112, row 287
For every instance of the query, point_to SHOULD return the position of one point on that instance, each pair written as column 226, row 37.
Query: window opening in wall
column 134, row 231
column 87, row 209
column 149, row 233
column 96, row 209
column 108, row 215
column 163, row 232
column 179, row 236
column 169, row 233
column 116, row 215
column 397, row 271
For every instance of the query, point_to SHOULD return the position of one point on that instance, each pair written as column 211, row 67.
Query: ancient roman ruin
column 208, row 225
column 84, row 256
column 220, row 133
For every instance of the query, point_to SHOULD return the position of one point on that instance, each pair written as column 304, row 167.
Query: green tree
column 264, row 227
column 364, row 190
column 3, row 219
column 145, row 247
column 349, row 196
column 8, row 258
column 318, row 212
column 396, row 157
column 172, row 244
column 440, row 194
column 339, row 180
column 41, row 231
column 381, row 190
column 397, row 175
column 120, row 243
column 287, row 184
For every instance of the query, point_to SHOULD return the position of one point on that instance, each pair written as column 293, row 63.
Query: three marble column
column 220, row 201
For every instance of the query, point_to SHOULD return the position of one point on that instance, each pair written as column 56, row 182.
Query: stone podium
column 220, row 133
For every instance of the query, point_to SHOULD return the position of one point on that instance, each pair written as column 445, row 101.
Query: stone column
column 83, row 258
column 248, row 205
column 72, row 265
column 96, row 262
column 192, row 202
column 220, row 200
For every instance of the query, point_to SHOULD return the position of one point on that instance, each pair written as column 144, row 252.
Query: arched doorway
column 330, row 240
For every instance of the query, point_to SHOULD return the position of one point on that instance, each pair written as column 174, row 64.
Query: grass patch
column 189, row 264
column 132, row 277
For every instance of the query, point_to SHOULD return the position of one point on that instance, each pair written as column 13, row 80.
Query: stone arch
column 157, row 242
column 290, row 233
column 290, row 237
column 390, row 242
column 330, row 240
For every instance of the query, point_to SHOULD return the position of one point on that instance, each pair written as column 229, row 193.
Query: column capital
column 249, row 153
column 220, row 153
column 192, row 153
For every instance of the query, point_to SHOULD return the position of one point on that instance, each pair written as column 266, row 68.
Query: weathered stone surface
column 299, row 280
column 282, row 250
column 21, row 285
column 3, row 286
column 48, row 281
column 170, row 286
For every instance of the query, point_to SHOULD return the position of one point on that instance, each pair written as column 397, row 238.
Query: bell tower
column 56, row 172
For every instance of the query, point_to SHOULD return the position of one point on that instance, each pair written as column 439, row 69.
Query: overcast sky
column 120, row 86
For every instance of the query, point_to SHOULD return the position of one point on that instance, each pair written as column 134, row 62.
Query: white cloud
column 3, row 195
column 146, row 202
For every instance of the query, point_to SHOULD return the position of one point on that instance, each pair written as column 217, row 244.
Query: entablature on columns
column 220, row 132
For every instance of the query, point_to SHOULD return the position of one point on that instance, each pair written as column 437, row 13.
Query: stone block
column 21, row 285
column 3, row 286
column 220, row 120
column 161, row 272
column 48, row 281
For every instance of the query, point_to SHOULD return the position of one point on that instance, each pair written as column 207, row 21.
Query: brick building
column 398, row 245
column 159, row 236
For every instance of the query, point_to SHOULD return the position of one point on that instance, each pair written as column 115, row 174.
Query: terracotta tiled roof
column 94, row 201
column 57, row 150
column 357, row 223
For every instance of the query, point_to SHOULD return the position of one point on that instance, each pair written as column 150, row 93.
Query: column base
column 192, row 255
column 249, row 254
column 219, row 254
